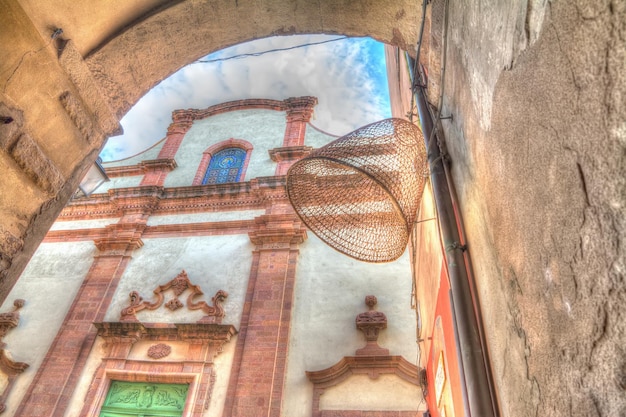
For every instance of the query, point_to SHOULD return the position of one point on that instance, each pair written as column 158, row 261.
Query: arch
column 214, row 149
column 186, row 31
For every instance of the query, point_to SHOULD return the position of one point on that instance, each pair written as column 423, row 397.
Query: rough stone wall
column 537, row 146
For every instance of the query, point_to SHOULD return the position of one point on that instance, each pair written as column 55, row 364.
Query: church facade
column 187, row 286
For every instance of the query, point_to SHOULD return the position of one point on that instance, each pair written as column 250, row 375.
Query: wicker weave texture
column 360, row 193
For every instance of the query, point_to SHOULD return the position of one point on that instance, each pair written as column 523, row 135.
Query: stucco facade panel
column 82, row 224
column 49, row 284
column 213, row 263
column 204, row 217
column 265, row 129
column 120, row 182
column 360, row 392
column 317, row 138
column 330, row 291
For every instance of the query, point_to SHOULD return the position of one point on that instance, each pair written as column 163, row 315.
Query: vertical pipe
column 476, row 381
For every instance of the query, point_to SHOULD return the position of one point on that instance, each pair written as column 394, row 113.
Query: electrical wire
column 253, row 54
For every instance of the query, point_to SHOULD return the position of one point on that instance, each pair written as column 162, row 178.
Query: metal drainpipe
column 474, row 373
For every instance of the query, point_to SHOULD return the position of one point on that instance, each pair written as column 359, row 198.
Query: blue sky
column 347, row 76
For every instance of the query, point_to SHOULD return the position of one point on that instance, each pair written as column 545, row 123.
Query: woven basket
column 360, row 193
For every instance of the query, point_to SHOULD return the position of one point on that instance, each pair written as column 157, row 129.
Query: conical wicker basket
column 360, row 193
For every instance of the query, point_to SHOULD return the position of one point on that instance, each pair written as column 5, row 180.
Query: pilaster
column 181, row 122
column 299, row 112
column 56, row 379
column 258, row 373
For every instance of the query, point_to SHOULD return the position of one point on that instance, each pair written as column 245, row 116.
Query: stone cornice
column 120, row 332
column 258, row 193
column 188, row 115
column 278, row 231
column 370, row 365
column 166, row 230
column 141, row 168
column 289, row 153
column 121, row 238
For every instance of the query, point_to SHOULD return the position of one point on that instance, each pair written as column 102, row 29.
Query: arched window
column 224, row 162
column 225, row 166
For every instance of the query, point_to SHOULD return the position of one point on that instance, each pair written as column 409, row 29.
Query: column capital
column 277, row 231
column 121, row 239
column 300, row 108
column 181, row 121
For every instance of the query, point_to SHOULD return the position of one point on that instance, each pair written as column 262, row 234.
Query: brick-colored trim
column 248, row 104
column 258, row 373
column 287, row 156
column 372, row 366
column 181, row 123
column 156, row 170
column 259, row 193
column 205, row 341
column 161, row 231
column 213, row 149
column 50, row 392
column 299, row 112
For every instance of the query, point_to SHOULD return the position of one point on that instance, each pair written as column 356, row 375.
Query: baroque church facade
column 187, row 286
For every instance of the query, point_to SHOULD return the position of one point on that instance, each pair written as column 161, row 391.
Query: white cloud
column 345, row 76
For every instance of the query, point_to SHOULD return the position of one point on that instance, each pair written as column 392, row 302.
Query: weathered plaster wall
column 329, row 293
column 48, row 284
column 538, row 156
column 428, row 264
column 58, row 124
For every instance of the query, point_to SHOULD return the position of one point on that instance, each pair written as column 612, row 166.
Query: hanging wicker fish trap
column 360, row 193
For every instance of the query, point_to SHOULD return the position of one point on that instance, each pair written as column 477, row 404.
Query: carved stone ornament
column 371, row 360
column 10, row 368
column 213, row 313
column 159, row 351
column 371, row 323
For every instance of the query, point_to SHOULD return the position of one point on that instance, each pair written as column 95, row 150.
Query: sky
column 347, row 75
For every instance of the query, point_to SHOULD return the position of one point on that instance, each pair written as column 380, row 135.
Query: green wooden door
column 144, row 399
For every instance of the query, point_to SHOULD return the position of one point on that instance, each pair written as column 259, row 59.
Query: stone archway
column 136, row 59
column 64, row 93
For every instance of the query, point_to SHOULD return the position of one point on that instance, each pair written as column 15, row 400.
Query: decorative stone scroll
column 178, row 285
column 11, row 369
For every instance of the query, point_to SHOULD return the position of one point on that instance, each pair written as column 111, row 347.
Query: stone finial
column 371, row 323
